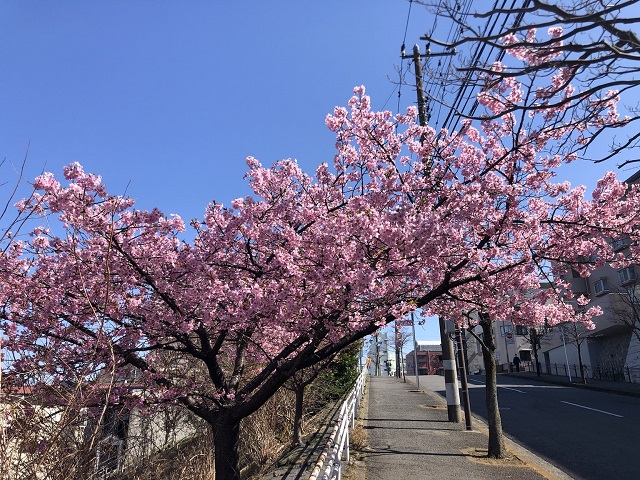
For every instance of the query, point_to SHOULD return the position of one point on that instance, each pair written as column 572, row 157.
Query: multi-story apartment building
column 612, row 349
column 429, row 356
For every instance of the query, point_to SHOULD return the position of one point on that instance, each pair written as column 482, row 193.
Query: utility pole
column 463, row 380
column 415, row 351
column 448, row 359
column 417, row 65
column 398, row 342
column 450, row 377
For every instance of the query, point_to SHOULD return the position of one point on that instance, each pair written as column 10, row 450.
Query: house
column 610, row 351
column 44, row 434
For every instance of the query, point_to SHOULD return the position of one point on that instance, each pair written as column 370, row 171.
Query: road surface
column 589, row 435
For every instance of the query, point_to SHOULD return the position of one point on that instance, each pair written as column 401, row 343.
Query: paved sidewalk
column 409, row 437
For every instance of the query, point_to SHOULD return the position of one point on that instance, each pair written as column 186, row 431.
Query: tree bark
column 226, row 434
column 580, row 362
column 297, row 419
column 496, row 447
column 533, row 333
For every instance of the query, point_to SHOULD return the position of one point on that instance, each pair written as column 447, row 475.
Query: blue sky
column 165, row 99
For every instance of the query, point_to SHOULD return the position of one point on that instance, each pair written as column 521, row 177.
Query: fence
column 619, row 374
column 330, row 462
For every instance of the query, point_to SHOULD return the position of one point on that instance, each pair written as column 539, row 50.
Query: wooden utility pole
column 448, row 357
column 417, row 65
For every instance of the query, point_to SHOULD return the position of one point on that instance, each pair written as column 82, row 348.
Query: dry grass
column 358, row 437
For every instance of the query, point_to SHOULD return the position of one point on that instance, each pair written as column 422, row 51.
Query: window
column 626, row 275
column 505, row 329
column 521, row 330
column 620, row 244
column 600, row 287
column 525, row 355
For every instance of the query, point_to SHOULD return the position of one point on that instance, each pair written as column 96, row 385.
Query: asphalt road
column 589, row 435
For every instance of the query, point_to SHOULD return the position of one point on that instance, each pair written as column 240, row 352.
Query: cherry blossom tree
column 406, row 217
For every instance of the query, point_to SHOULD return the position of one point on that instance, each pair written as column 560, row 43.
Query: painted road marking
column 537, row 387
column 514, row 389
column 594, row 409
column 499, row 386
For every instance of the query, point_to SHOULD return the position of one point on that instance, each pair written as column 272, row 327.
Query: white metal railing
column 330, row 462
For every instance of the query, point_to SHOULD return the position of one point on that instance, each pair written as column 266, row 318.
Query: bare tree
column 575, row 333
column 402, row 338
column 589, row 47
column 625, row 307
column 534, row 336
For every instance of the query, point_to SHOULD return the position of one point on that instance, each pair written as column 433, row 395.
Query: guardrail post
column 346, row 447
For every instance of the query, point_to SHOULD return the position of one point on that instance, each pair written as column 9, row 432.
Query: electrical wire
column 402, row 50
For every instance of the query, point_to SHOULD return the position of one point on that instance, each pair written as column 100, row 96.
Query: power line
column 456, row 111
column 402, row 49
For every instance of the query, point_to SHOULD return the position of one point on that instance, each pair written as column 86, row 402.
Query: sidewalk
column 409, row 437
column 622, row 388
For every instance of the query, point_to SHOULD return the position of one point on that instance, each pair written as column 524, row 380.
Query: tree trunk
column 580, row 362
column 496, row 447
column 535, row 339
column 297, row 419
column 226, row 434
column 535, row 356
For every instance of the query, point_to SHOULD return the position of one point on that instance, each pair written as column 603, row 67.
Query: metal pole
column 398, row 342
column 566, row 357
column 506, row 346
column 415, row 350
column 377, row 356
column 463, row 380
column 450, row 377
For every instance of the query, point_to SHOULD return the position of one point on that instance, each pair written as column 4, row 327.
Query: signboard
column 509, row 337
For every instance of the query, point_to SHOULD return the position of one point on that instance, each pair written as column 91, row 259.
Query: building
column 382, row 361
column 429, row 354
column 612, row 349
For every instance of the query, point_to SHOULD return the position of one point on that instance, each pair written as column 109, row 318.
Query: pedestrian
column 516, row 363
